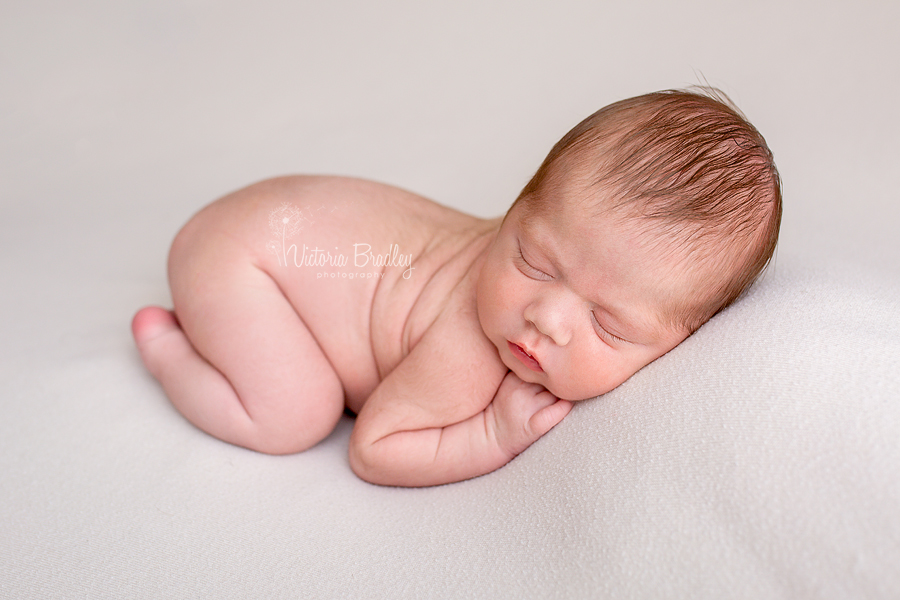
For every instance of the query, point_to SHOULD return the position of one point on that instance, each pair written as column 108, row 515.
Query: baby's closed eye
column 605, row 333
column 528, row 269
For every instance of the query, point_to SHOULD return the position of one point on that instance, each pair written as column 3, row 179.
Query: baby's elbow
column 362, row 463
column 367, row 463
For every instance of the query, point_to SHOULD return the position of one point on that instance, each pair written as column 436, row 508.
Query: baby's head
column 691, row 171
column 653, row 214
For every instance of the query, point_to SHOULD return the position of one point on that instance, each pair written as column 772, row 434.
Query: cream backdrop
column 760, row 460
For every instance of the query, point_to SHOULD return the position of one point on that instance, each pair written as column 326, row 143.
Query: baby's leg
column 239, row 363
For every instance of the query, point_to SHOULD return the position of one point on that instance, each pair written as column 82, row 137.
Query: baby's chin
column 572, row 393
column 560, row 390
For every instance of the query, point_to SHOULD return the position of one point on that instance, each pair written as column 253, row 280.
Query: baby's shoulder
column 393, row 211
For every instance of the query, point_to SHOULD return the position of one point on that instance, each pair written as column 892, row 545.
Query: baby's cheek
column 587, row 379
column 486, row 320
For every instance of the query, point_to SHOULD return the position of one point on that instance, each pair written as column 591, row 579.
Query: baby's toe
column 151, row 322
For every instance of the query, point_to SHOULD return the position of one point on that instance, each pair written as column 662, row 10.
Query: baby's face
column 576, row 302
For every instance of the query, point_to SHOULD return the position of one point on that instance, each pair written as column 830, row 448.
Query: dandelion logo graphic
column 284, row 223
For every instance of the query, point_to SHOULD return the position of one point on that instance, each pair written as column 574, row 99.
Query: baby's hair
column 689, row 166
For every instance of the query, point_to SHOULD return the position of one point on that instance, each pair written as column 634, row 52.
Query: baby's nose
column 551, row 318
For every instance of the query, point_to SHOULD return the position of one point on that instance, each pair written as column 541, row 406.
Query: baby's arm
column 450, row 411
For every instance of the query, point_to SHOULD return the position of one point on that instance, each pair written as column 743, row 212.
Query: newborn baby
column 459, row 341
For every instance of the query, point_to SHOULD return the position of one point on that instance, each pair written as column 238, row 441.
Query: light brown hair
column 689, row 165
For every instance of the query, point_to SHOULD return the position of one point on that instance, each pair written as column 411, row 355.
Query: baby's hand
column 522, row 412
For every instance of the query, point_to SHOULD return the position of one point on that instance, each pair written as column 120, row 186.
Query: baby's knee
column 279, row 439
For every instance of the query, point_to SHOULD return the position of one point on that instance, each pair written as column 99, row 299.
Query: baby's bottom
column 238, row 362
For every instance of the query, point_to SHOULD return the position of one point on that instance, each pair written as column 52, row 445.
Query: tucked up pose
column 459, row 341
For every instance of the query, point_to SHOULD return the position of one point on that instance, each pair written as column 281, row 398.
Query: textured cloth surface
column 757, row 460
column 760, row 458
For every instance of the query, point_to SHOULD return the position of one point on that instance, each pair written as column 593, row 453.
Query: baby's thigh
column 237, row 318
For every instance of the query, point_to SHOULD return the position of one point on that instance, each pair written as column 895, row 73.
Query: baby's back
column 367, row 267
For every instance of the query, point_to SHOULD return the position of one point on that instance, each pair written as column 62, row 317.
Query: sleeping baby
column 459, row 341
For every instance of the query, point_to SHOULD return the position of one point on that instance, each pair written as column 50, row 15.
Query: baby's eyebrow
column 533, row 237
column 637, row 328
column 525, row 227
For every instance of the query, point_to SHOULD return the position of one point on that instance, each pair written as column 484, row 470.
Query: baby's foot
column 151, row 322
column 158, row 337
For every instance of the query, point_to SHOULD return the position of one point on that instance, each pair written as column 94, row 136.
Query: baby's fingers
column 548, row 417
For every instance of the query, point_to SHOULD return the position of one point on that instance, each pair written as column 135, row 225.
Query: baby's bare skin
column 366, row 325
column 276, row 339
column 460, row 341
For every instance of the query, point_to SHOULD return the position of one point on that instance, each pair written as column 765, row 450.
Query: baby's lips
column 525, row 357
